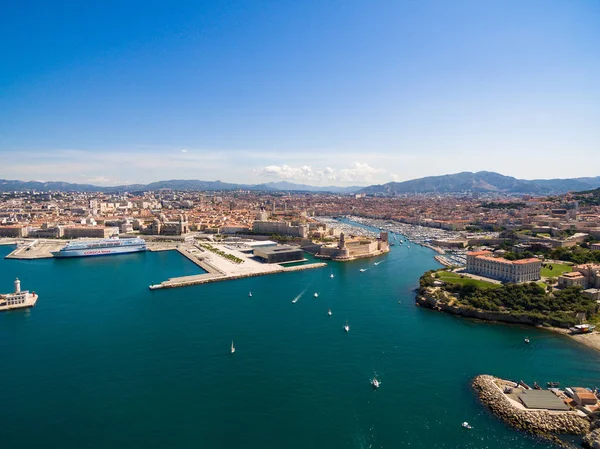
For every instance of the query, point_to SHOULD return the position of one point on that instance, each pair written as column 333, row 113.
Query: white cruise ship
column 102, row 247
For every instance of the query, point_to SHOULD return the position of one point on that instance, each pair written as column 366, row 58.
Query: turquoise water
column 103, row 362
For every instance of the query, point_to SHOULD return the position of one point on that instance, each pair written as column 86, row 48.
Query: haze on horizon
column 325, row 93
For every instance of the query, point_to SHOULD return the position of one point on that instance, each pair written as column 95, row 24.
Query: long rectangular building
column 483, row 263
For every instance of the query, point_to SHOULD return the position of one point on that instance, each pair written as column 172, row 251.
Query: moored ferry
column 102, row 247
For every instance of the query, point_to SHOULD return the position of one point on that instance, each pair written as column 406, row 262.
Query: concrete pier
column 215, row 277
column 220, row 268
column 36, row 249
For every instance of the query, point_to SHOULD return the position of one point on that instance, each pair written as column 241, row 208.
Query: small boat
column 346, row 327
column 362, row 270
column 331, row 275
column 316, row 295
column 536, row 386
column 375, row 383
column 527, row 340
column 232, row 347
column 250, row 294
column 553, row 384
column 294, row 301
column 329, row 312
column 582, row 328
column 466, row 425
column 376, row 263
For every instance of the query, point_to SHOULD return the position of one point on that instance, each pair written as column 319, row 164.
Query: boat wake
column 295, row 300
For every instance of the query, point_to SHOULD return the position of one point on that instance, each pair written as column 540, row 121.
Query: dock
column 36, row 249
column 218, row 268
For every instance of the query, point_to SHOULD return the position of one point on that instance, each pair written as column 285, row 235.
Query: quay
column 218, row 268
column 34, row 249
column 197, row 279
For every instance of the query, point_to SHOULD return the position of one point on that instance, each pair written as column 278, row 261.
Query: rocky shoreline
column 543, row 423
column 591, row 340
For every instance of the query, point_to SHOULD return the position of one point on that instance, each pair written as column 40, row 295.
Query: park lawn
column 557, row 270
column 454, row 278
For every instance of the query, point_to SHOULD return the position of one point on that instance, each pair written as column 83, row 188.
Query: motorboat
column 362, row 270
column 466, row 425
column 232, row 347
column 295, row 300
column 375, row 383
column 376, row 263
column 553, row 384
column 329, row 312
column 316, row 295
column 346, row 327
column 527, row 340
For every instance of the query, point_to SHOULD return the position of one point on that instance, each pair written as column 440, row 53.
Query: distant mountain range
column 483, row 182
column 174, row 184
column 465, row 182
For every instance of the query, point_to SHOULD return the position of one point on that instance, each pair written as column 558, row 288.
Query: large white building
column 483, row 263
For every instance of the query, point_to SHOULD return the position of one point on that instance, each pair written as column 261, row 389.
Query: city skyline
column 347, row 93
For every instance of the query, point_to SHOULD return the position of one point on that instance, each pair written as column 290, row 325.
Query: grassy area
column 556, row 271
column 455, row 278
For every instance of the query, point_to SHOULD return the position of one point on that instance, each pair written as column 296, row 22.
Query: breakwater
column 540, row 422
column 198, row 279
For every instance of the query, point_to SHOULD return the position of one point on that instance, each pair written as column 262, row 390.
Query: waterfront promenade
column 219, row 268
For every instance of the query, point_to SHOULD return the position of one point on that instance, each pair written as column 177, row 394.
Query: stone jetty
column 541, row 422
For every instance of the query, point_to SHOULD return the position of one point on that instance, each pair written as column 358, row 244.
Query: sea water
column 101, row 361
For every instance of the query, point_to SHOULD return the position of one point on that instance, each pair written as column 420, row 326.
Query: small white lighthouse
column 17, row 285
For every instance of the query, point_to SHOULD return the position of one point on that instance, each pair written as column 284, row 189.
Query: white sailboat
column 346, row 327
column 375, row 383
column 232, row 347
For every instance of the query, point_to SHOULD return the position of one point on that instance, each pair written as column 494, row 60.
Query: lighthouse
column 17, row 285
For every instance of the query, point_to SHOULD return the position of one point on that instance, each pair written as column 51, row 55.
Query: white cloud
column 358, row 172
column 184, row 151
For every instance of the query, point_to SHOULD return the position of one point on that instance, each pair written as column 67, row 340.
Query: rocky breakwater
column 541, row 422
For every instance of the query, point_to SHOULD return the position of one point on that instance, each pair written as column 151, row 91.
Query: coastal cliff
column 430, row 300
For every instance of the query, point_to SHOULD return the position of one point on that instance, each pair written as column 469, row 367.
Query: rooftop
column 542, row 399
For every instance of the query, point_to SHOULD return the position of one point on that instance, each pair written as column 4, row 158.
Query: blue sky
column 339, row 92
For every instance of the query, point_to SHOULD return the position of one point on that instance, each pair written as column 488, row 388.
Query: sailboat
column 375, row 383
column 329, row 312
column 316, row 295
column 346, row 327
column 232, row 347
